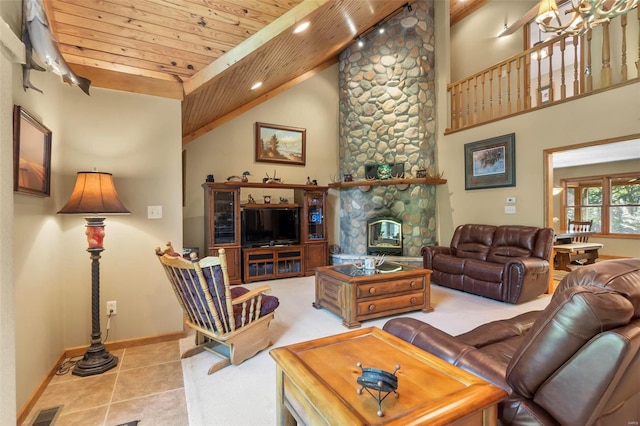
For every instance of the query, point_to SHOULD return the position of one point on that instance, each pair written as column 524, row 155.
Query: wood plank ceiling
column 208, row 53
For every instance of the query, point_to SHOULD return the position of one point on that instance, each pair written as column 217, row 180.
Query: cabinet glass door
column 315, row 219
column 224, row 218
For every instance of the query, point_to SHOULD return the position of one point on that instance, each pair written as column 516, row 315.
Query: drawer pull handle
column 372, row 290
column 372, row 308
column 413, row 300
column 413, row 284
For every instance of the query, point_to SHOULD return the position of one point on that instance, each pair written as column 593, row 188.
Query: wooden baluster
column 550, row 59
column 482, row 110
column 519, row 100
column 468, row 103
column 605, row 80
column 491, row 107
column 499, row 112
column 509, row 87
column 587, row 69
column 623, row 68
column 452, row 91
column 475, row 99
column 563, row 85
column 576, row 67
column 458, row 107
column 526, row 80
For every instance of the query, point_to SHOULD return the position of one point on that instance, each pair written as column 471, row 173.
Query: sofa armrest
column 428, row 338
column 428, row 252
column 525, row 278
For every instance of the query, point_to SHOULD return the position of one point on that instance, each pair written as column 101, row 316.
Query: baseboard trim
column 24, row 411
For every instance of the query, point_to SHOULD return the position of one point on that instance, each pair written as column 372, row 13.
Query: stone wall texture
column 387, row 115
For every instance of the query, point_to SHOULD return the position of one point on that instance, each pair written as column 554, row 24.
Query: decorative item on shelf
column 210, row 178
column 270, row 179
column 378, row 380
column 383, row 172
column 314, row 182
column 250, row 199
column 267, row 199
column 236, row 178
column 283, row 200
column 422, row 170
column 348, row 177
column 94, row 194
column 335, row 249
column 584, row 14
column 308, row 180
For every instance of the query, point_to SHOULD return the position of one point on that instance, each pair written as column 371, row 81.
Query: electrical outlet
column 154, row 212
column 112, row 308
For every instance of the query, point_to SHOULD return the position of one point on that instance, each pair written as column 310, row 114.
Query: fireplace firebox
column 384, row 236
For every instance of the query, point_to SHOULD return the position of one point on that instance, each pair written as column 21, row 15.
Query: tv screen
column 270, row 226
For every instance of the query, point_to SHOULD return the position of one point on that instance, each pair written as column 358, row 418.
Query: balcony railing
column 557, row 70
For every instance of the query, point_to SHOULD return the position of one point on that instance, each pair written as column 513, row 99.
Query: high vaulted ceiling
column 208, row 53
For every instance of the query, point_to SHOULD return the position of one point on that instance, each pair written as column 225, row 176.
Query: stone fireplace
column 387, row 116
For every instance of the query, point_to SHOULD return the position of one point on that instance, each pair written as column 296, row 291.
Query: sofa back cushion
column 515, row 241
column 473, row 241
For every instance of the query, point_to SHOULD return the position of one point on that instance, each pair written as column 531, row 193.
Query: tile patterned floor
column 146, row 385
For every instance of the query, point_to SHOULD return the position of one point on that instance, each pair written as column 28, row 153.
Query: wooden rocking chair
column 235, row 318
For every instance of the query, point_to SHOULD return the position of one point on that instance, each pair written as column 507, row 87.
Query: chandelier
column 585, row 14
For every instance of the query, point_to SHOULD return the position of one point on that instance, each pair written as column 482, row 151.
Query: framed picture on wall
column 490, row 163
column 31, row 154
column 280, row 144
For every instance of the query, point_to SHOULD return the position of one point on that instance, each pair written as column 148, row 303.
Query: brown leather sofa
column 575, row 363
column 509, row 263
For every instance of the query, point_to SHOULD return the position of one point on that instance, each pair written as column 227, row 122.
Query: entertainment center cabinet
column 223, row 229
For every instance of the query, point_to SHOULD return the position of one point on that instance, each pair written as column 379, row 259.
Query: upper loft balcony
column 555, row 69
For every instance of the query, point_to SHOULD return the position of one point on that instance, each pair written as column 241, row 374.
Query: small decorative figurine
column 270, row 179
column 380, row 380
column 242, row 178
column 308, row 181
column 251, row 200
column 210, row 178
column 383, row 172
column 267, row 199
column 348, row 177
column 283, row 200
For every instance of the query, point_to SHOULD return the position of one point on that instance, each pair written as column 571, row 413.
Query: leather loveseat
column 575, row 363
column 509, row 263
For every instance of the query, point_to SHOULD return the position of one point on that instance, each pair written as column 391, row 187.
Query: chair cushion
column 269, row 303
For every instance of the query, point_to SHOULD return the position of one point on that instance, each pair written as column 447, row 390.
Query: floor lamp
column 95, row 194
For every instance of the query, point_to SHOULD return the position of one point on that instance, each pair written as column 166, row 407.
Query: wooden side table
column 316, row 384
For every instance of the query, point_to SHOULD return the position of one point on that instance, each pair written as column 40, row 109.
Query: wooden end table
column 359, row 294
column 317, row 384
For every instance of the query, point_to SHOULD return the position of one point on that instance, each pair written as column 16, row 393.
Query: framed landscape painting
column 31, row 154
column 280, row 144
column 490, row 163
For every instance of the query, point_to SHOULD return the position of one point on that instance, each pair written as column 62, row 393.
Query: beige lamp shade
column 94, row 193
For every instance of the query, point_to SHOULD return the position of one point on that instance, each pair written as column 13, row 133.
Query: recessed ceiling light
column 255, row 86
column 301, row 27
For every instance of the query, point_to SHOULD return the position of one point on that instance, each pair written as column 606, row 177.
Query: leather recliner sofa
column 509, row 263
column 577, row 362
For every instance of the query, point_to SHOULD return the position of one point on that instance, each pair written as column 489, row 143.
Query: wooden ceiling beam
column 252, row 44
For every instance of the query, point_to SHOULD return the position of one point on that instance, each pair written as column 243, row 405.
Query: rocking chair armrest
column 250, row 294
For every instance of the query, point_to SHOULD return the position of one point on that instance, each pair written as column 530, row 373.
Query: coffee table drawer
column 400, row 303
column 390, row 287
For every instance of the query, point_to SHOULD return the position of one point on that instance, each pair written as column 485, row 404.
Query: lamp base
column 95, row 361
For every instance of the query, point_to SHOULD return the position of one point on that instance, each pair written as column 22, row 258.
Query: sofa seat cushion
column 449, row 264
column 484, row 271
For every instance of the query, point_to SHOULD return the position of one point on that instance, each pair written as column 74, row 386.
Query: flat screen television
column 270, row 226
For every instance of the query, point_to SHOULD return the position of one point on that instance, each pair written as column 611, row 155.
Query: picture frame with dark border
column 280, row 144
column 31, row 154
column 490, row 163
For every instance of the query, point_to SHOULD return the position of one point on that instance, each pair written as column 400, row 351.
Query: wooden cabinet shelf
column 389, row 182
column 265, row 263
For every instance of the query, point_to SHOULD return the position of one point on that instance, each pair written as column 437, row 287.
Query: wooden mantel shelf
column 272, row 185
column 389, row 182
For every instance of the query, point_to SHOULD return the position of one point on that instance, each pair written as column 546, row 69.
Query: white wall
column 229, row 149
column 138, row 139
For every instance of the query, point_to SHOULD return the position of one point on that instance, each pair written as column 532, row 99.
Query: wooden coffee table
column 359, row 294
column 317, row 384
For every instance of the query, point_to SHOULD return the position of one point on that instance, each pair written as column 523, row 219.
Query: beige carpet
column 246, row 394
